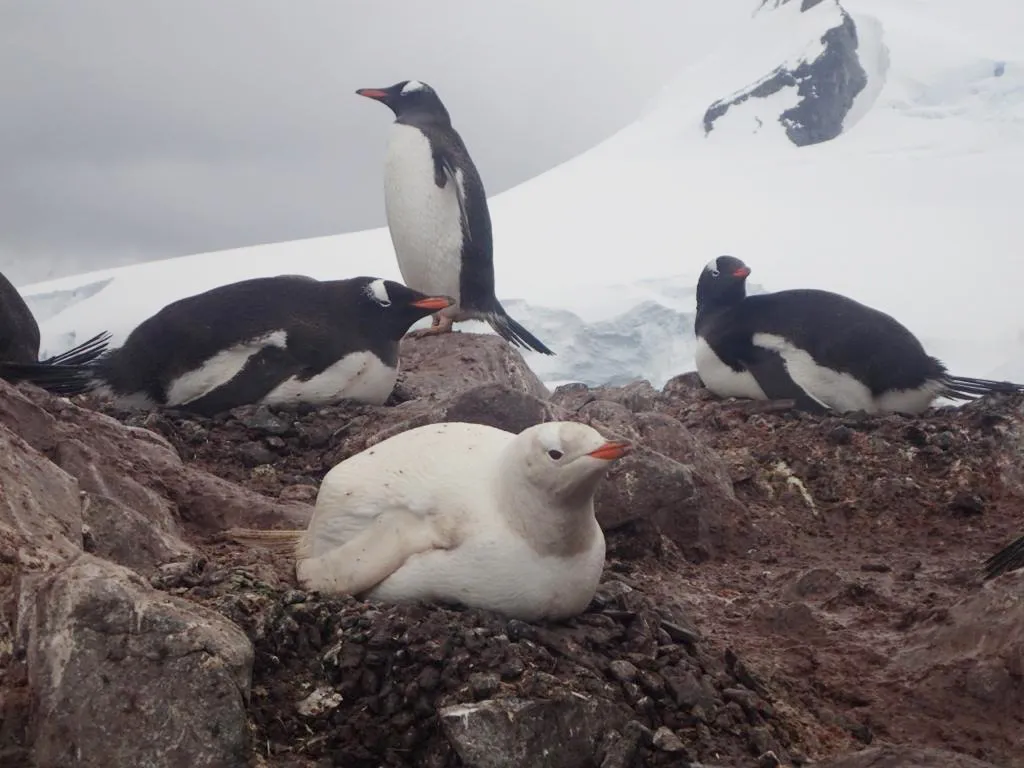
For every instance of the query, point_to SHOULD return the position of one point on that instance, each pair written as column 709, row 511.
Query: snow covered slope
column 911, row 208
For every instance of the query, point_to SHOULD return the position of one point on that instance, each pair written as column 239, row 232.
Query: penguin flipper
column 769, row 370
column 257, row 378
column 444, row 172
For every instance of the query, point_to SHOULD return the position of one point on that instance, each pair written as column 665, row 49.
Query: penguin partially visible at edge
column 63, row 374
column 821, row 349
column 1009, row 558
column 275, row 340
column 437, row 213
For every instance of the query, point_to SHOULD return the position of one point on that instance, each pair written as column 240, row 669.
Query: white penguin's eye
column 556, row 455
column 715, row 273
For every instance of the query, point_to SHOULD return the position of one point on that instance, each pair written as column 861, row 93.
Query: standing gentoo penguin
column 822, row 349
column 64, row 374
column 437, row 213
column 275, row 340
column 461, row 513
column 1009, row 558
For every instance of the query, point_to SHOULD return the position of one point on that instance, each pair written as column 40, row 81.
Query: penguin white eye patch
column 712, row 267
column 413, row 85
column 379, row 292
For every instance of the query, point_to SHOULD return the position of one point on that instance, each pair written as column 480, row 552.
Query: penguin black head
column 407, row 96
column 394, row 306
column 723, row 282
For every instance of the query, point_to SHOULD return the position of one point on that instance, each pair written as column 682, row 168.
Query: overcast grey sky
column 140, row 129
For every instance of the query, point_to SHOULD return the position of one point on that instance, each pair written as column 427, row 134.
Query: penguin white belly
column 424, row 219
column 836, row 389
column 360, row 376
column 496, row 570
column 721, row 379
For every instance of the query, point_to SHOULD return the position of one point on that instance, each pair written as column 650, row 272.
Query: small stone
column 609, row 593
column 293, row 596
column 512, row 670
column 261, row 420
column 623, row 671
column 665, row 740
column 300, row 492
column 681, row 633
column 483, row 684
column 841, row 435
column 768, row 760
column 875, row 567
column 254, row 454
column 319, row 701
column 274, row 442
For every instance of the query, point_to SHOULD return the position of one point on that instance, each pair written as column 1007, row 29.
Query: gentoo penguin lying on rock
column 1009, row 558
column 274, row 340
column 461, row 513
column 437, row 213
column 821, row 349
column 19, row 349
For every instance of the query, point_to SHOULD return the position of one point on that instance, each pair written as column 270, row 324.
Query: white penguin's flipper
column 374, row 553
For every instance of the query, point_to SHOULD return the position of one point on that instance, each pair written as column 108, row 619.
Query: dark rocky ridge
column 827, row 86
column 779, row 589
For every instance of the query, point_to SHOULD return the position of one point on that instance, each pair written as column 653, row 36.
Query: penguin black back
column 238, row 342
column 19, row 332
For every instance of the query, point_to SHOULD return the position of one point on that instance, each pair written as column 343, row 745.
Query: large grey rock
column 524, row 733
column 438, row 367
column 40, row 508
column 137, row 470
column 122, row 675
column 904, row 757
column 826, row 86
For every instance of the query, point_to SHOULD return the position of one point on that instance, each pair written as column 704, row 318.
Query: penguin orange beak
column 433, row 303
column 741, row 272
column 373, row 93
column 613, row 449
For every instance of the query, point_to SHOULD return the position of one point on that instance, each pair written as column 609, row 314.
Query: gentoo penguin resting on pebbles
column 19, row 349
column 461, row 513
column 437, row 213
column 819, row 348
column 1009, row 558
column 276, row 340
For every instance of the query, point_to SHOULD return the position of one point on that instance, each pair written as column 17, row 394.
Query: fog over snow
column 911, row 208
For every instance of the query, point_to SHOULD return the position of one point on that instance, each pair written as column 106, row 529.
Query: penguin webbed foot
column 440, row 324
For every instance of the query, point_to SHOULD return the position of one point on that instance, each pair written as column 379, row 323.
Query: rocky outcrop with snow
column 825, row 76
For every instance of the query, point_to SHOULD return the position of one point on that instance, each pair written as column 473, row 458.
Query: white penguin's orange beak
column 433, row 303
column 613, row 449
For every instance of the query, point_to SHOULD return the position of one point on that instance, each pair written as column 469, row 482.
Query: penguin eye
column 556, row 455
column 715, row 273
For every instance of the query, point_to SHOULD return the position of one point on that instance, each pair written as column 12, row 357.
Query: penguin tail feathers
column 279, row 542
column 60, row 380
column 1009, row 558
column 966, row 388
column 83, row 354
column 514, row 333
